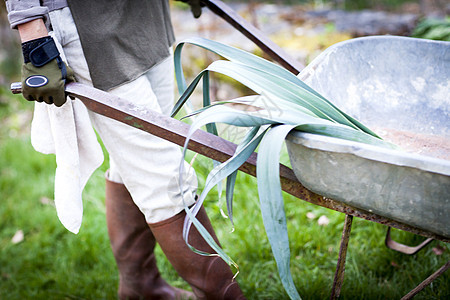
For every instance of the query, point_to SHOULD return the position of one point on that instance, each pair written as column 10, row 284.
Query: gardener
column 123, row 47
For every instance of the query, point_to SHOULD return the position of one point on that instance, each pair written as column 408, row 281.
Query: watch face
column 36, row 81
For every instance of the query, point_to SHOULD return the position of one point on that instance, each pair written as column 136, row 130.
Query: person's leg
column 133, row 248
column 209, row 277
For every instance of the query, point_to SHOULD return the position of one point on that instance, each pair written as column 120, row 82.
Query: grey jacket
column 20, row 12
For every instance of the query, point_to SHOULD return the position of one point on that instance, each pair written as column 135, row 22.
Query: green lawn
column 52, row 263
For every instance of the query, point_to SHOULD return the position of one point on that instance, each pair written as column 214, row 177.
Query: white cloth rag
column 66, row 131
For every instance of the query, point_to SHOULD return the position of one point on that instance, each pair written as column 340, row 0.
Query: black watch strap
column 40, row 51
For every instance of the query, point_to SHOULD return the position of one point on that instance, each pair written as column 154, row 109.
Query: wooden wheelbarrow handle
column 254, row 34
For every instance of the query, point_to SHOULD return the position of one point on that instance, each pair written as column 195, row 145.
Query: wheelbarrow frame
column 219, row 149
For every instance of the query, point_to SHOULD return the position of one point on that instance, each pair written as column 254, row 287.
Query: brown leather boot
column 209, row 276
column 132, row 244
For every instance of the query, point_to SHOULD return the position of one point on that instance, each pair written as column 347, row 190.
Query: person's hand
column 44, row 74
column 196, row 7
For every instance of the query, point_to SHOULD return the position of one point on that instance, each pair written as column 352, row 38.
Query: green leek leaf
column 283, row 103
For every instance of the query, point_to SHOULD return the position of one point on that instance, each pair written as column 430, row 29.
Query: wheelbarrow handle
column 254, row 34
column 16, row 87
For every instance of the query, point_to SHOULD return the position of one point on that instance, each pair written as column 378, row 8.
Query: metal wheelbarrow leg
column 340, row 268
column 427, row 281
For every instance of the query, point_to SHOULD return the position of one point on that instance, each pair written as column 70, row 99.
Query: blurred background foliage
column 433, row 29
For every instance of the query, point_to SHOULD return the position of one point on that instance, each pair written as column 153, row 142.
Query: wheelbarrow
column 400, row 88
column 349, row 195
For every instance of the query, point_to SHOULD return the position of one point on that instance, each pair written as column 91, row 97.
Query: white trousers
column 147, row 165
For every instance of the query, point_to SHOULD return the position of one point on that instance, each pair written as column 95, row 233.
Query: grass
column 52, row 263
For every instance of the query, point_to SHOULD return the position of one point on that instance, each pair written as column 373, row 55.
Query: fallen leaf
column 394, row 264
column 18, row 237
column 323, row 221
column 438, row 250
column 46, row 201
column 310, row 215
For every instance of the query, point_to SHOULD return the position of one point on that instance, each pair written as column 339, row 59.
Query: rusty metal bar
column 254, row 34
column 213, row 147
column 426, row 282
column 340, row 268
column 405, row 249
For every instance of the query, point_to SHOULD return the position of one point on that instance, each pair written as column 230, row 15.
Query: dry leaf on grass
column 310, row 215
column 438, row 250
column 323, row 221
column 18, row 237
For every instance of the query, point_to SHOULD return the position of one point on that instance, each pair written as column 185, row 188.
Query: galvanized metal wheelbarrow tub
column 400, row 88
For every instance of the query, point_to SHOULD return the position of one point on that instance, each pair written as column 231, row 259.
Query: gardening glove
column 44, row 74
column 196, row 7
